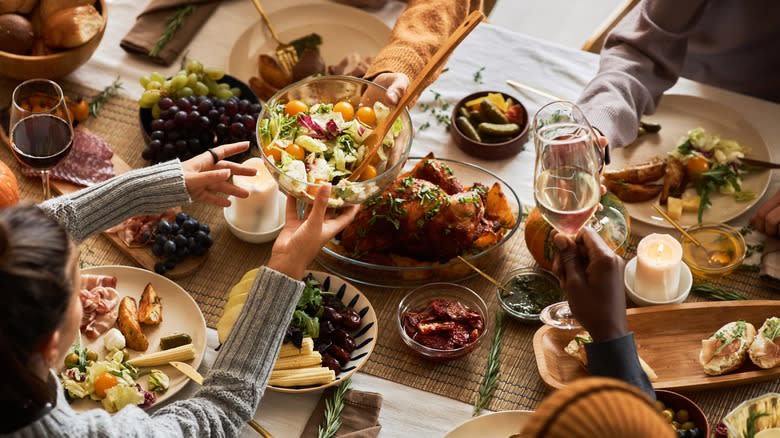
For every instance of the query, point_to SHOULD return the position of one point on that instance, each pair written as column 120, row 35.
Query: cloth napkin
column 359, row 419
column 770, row 260
column 151, row 24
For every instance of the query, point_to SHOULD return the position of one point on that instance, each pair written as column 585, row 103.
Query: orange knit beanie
column 597, row 407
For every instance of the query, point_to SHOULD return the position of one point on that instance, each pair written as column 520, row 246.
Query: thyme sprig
column 478, row 76
column 333, row 407
column 104, row 96
column 490, row 379
column 174, row 23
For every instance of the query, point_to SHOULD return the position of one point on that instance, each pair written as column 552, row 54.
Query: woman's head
column 40, row 316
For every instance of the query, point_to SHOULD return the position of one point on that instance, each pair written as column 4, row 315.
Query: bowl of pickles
column 490, row 125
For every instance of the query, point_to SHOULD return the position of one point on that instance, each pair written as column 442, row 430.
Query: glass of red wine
column 566, row 180
column 40, row 127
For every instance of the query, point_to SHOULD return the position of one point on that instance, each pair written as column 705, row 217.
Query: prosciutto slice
column 99, row 300
column 131, row 230
column 88, row 163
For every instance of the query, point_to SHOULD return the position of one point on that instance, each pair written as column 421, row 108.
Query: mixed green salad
column 326, row 143
column 718, row 165
column 112, row 381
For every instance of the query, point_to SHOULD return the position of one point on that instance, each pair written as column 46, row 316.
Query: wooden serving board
column 669, row 339
column 141, row 255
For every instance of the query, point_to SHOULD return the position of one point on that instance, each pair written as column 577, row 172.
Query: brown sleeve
column 419, row 31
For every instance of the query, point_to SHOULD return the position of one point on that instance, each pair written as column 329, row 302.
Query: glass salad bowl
column 407, row 272
column 314, row 132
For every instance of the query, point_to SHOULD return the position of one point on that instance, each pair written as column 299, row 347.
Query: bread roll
column 726, row 349
column 72, row 27
column 8, row 6
column 16, row 34
column 764, row 350
column 27, row 6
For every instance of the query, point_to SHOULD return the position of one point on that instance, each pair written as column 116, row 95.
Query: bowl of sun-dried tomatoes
column 442, row 321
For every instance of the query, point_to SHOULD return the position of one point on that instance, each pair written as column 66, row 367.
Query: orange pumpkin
column 540, row 243
column 9, row 189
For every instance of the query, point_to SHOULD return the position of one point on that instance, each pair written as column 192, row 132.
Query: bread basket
column 54, row 65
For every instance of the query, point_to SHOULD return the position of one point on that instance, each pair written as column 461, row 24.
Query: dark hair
column 36, row 288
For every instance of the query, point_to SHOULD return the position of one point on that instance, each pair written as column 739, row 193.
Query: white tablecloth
column 504, row 55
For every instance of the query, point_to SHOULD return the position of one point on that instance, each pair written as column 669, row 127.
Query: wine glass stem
column 300, row 208
column 46, row 186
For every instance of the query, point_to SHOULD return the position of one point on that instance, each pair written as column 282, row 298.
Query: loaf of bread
column 47, row 8
column 726, row 350
column 17, row 6
column 71, row 27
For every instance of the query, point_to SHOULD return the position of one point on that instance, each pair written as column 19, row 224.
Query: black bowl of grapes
column 194, row 110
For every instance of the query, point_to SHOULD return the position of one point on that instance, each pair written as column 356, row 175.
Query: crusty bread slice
column 576, row 348
column 726, row 350
column 764, row 352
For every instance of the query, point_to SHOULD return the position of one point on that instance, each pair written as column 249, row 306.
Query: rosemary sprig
column 753, row 417
column 175, row 21
column 711, row 292
column 104, row 96
column 333, row 407
column 489, row 381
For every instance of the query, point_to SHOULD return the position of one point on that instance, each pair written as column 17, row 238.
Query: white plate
column 494, row 425
column 343, row 29
column 365, row 336
column 180, row 314
column 677, row 115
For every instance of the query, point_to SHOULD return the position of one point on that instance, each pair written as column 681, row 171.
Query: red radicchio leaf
column 315, row 130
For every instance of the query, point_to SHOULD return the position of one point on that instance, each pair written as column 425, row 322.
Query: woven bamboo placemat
column 519, row 385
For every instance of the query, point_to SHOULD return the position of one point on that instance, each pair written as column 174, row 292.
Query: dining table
column 485, row 60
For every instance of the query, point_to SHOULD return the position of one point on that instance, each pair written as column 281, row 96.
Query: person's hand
column 300, row 240
column 207, row 174
column 591, row 276
column 396, row 85
column 767, row 218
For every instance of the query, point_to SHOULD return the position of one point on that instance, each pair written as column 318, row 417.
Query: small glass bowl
column 333, row 89
column 526, row 304
column 419, row 298
column 722, row 251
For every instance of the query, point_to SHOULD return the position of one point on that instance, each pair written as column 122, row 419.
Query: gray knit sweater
column 732, row 44
column 235, row 383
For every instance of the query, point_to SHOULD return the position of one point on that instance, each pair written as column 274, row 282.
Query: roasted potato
column 675, row 181
column 150, row 307
column 272, row 72
column 497, row 207
column 262, row 89
column 639, row 173
column 127, row 322
column 628, row 192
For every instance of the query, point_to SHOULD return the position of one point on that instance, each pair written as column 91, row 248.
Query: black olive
column 331, row 314
column 343, row 340
column 695, row 433
column 330, row 362
column 350, row 320
column 322, row 344
column 339, row 353
column 326, row 328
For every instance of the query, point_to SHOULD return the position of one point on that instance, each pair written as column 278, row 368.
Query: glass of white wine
column 566, row 180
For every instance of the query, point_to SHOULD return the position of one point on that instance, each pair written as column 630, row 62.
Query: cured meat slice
column 131, row 230
column 99, row 303
column 88, row 163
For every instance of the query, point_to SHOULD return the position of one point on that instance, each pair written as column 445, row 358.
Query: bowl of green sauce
column 533, row 289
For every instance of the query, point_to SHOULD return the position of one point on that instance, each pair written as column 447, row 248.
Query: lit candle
column 658, row 263
column 260, row 211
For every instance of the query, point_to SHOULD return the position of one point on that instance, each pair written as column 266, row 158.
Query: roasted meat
column 427, row 215
column 676, row 180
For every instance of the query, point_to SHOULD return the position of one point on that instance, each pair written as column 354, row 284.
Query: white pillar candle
column 260, row 211
column 658, row 263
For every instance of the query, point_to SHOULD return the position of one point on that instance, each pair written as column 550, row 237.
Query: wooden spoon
column 374, row 141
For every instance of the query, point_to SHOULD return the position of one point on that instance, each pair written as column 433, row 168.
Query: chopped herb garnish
column 478, row 75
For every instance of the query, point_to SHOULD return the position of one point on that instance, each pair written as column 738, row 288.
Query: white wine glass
column 40, row 127
column 566, row 180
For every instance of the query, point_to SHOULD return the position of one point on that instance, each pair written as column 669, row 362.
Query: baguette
column 726, row 350
column 576, row 349
column 47, row 8
column 71, row 27
column 764, row 350
column 127, row 322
